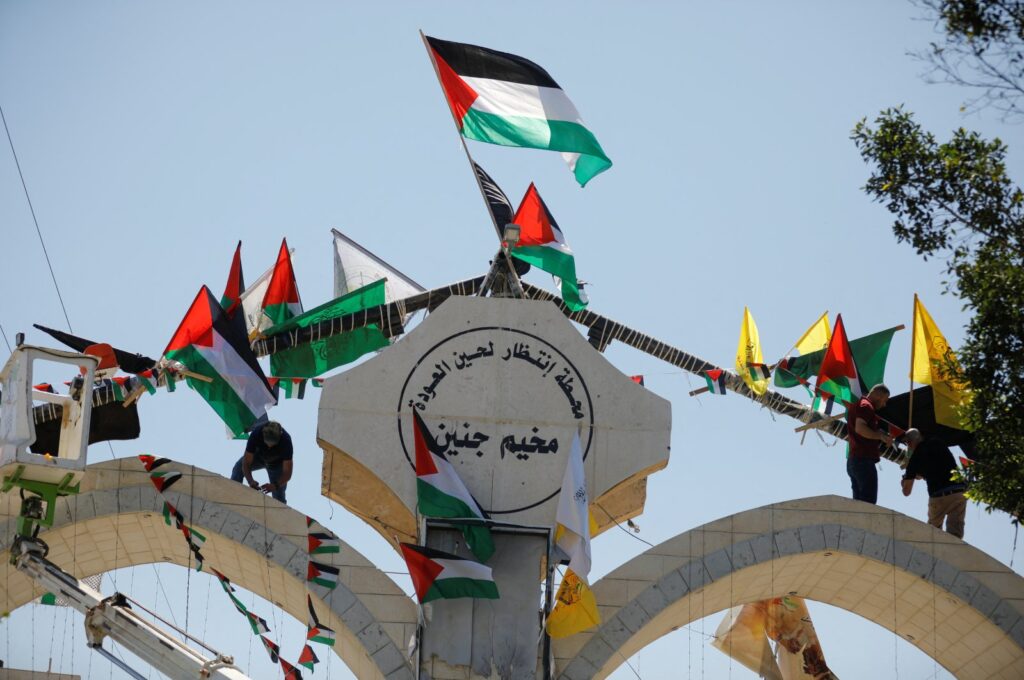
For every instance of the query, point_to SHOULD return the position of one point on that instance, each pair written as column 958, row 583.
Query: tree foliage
column 955, row 200
column 982, row 48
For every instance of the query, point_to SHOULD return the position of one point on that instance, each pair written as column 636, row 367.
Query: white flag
column 252, row 301
column 573, row 532
column 355, row 267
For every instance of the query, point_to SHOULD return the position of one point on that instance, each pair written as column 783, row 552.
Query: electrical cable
column 24, row 186
column 6, row 341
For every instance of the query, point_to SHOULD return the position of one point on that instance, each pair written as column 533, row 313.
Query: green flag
column 314, row 358
column 869, row 352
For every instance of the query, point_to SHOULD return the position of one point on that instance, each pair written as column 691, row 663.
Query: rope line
column 32, row 209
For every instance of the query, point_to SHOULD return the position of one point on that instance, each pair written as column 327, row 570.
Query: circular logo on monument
column 502, row 405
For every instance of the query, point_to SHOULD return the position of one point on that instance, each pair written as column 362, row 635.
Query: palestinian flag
column 225, row 582
column 823, row 403
column 317, row 382
column 501, row 98
column 716, row 380
column 323, row 542
column 232, row 297
column 313, row 358
column 436, row 575
column 441, row 493
column 759, row 372
column 152, row 462
column 638, row 379
column 542, row 244
column 307, row 658
column 838, row 373
column 282, row 301
column 148, row 380
column 272, row 648
column 317, row 632
column 290, row 671
column 258, row 623
column 171, row 511
column 322, row 574
column 210, row 345
column 163, row 479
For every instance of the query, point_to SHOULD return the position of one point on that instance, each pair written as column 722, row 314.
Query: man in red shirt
column 863, row 434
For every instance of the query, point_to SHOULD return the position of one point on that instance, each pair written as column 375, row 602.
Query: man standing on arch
column 269, row 447
column 863, row 435
column 933, row 460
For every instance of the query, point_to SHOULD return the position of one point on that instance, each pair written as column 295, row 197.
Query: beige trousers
column 952, row 508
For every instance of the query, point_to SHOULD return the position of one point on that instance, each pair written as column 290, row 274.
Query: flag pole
column 499, row 228
column 913, row 349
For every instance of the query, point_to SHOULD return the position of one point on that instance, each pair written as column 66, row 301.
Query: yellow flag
column 928, row 361
column 749, row 352
column 816, row 337
column 575, row 610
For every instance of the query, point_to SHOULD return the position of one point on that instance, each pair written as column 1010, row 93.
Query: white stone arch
column 116, row 521
column 955, row 603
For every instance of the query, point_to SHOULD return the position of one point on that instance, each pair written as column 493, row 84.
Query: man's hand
column 268, row 488
column 886, row 439
column 254, row 484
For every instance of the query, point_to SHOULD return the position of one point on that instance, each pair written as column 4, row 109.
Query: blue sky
column 154, row 136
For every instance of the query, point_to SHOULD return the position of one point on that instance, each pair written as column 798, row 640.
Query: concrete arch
column 955, row 603
column 116, row 521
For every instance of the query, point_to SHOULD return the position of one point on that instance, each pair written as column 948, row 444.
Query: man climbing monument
column 863, row 435
column 269, row 447
column 933, row 461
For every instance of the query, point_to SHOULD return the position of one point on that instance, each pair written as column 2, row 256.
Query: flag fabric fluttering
column 748, row 352
column 356, row 267
column 502, row 98
column 313, row 358
column 715, row 379
column 440, row 492
column 308, row 658
column 209, row 345
column 870, row 354
column 576, row 609
column 272, row 648
column 440, row 575
column 322, row 574
column 282, row 301
column 838, row 374
column 232, row 297
column 542, row 244
column 932, row 363
column 290, row 671
column 816, row 337
column 759, row 372
column 502, row 212
column 252, row 300
column 316, row 631
column 320, row 540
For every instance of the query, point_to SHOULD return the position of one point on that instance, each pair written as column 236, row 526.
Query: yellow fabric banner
column 575, row 610
column 816, row 337
column 928, row 366
column 749, row 352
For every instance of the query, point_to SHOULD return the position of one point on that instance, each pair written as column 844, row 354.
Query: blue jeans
column 863, row 479
column 273, row 471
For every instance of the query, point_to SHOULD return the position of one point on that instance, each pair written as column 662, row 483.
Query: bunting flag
column 44, row 387
column 823, row 403
column 307, row 658
column 211, row 346
column 933, row 363
column 290, row 671
column 313, row 358
column 440, row 491
column 965, row 462
column 147, row 380
column 322, row 574
column 321, row 541
column 759, row 372
column 440, row 575
column 838, row 375
column 163, row 480
column 638, row 379
column 501, row 209
column 282, row 301
column 317, row 632
column 317, row 382
column 716, row 380
column 272, row 648
column 170, row 380
column 542, row 244
column 501, row 98
column 225, row 582
column 748, row 353
column 258, row 623
column 152, row 462
column 171, row 511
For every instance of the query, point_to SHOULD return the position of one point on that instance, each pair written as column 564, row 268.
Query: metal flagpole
column 913, row 349
column 499, row 228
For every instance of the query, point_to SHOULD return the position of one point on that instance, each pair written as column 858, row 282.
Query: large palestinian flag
column 207, row 343
column 501, row 98
column 440, row 491
column 542, row 244
column 440, row 575
column 838, row 375
column 282, row 301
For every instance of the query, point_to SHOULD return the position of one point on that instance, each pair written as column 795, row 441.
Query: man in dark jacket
column 932, row 460
column 864, row 434
column 269, row 447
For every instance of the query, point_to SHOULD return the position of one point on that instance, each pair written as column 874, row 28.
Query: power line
column 6, row 342
column 36, row 221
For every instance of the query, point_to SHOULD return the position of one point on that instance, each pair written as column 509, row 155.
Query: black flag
column 501, row 210
column 130, row 362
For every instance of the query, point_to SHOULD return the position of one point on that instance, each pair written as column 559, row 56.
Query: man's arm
column 908, row 485
column 247, row 469
column 864, row 430
column 286, row 474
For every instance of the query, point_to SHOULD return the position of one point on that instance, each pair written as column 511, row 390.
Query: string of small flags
column 320, row 541
column 162, row 480
column 292, row 388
